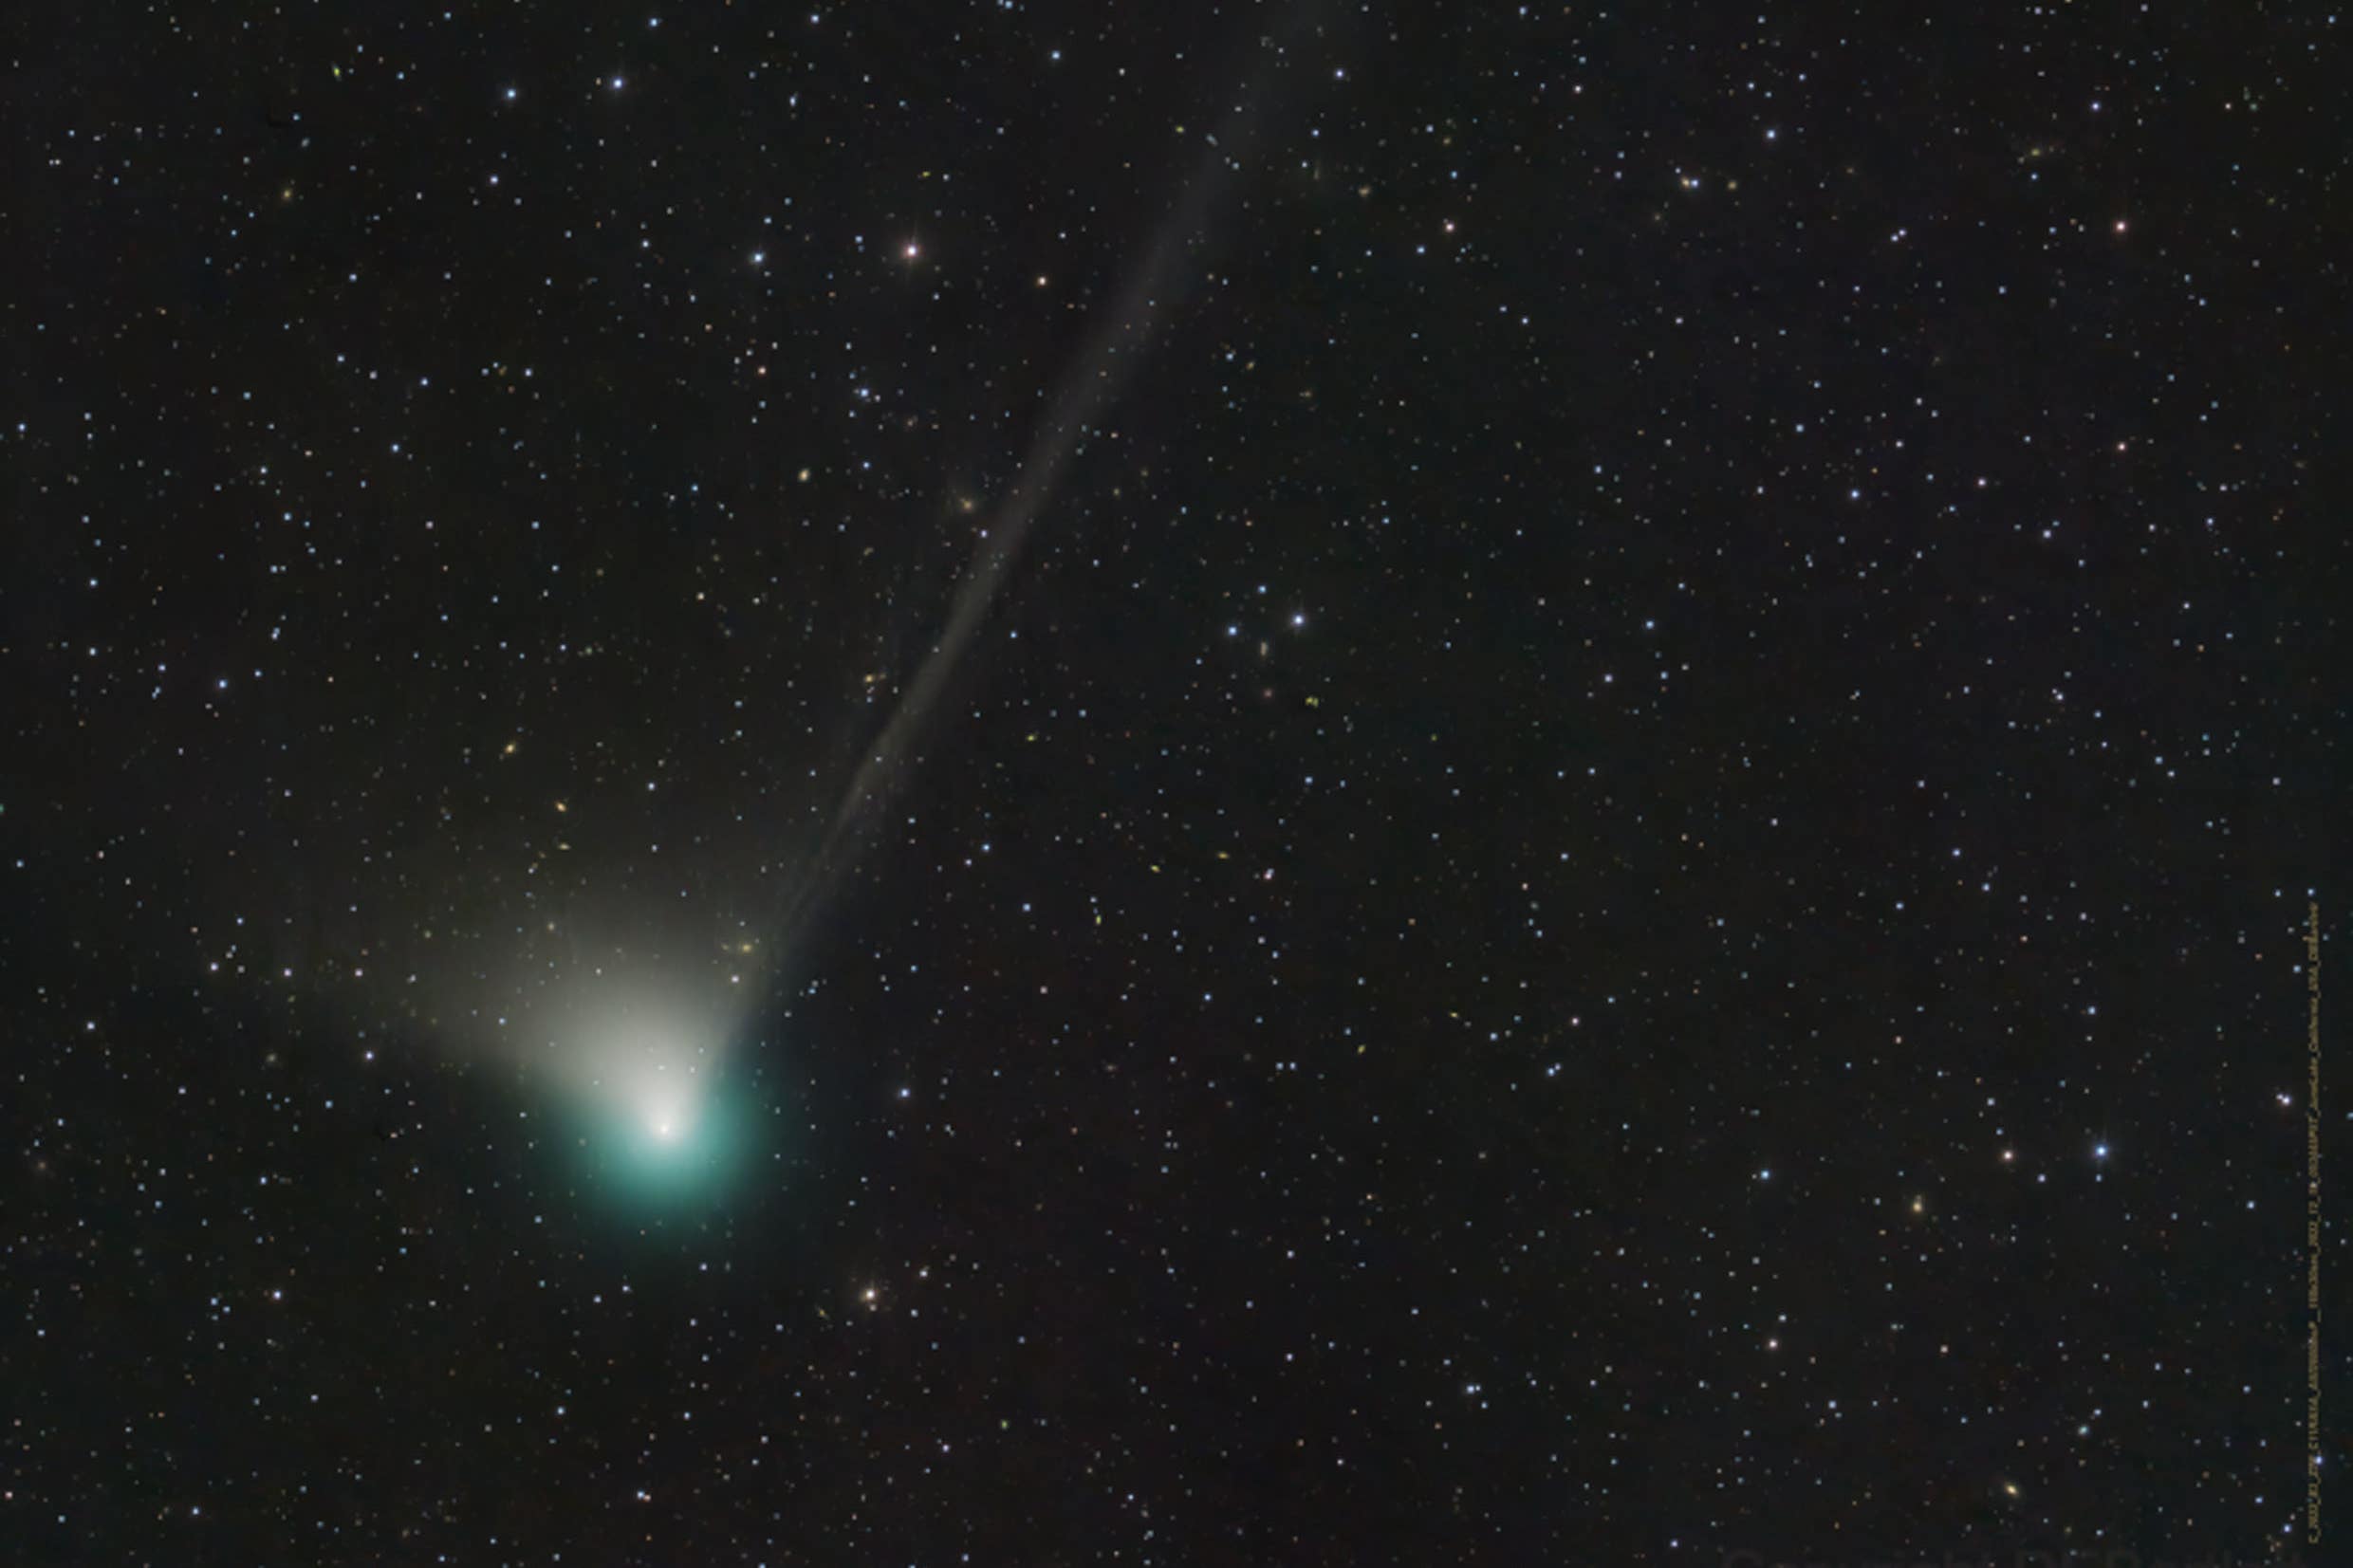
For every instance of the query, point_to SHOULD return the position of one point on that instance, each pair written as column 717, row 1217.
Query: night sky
column 1188, row 784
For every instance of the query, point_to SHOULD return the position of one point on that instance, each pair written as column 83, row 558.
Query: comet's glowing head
column 645, row 1067
column 654, row 1088
column 667, row 1103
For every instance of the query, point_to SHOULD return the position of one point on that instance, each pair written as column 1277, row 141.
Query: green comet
column 668, row 1151
column 656, row 1109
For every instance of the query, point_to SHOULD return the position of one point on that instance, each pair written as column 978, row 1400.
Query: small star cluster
column 1286, row 784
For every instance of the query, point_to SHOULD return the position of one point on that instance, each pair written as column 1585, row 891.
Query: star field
column 1255, row 784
